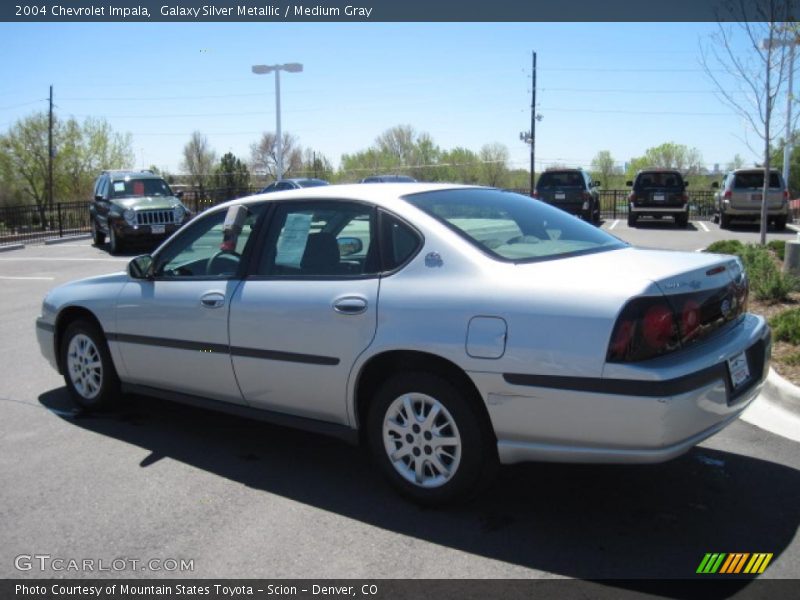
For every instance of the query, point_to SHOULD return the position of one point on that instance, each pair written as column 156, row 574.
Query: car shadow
column 645, row 223
column 579, row 521
column 754, row 228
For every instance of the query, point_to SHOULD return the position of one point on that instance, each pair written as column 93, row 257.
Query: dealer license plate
column 658, row 197
column 740, row 371
column 560, row 196
column 755, row 197
column 157, row 229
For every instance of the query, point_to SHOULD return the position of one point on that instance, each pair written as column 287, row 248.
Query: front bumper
column 627, row 418
column 45, row 335
column 128, row 232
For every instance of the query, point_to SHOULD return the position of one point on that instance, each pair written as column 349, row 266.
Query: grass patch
column 767, row 281
column 726, row 247
column 786, row 327
column 778, row 247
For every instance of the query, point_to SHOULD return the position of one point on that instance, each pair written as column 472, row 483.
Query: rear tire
column 724, row 221
column 88, row 369
column 780, row 223
column 429, row 439
column 631, row 220
column 682, row 220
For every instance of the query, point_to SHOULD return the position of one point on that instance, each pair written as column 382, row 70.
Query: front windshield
column 512, row 227
column 131, row 188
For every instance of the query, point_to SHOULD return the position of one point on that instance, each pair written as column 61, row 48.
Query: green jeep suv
column 134, row 206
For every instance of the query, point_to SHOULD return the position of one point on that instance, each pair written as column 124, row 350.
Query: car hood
column 148, row 202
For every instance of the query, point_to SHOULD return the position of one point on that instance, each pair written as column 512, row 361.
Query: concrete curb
column 64, row 240
column 12, row 247
column 778, row 390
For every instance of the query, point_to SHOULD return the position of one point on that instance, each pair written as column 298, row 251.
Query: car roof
column 658, row 170
column 138, row 174
column 753, row 170
column 385, row 195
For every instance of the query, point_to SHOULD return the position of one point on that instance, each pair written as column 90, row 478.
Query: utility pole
column 533, row 126
column 529, row 137
column 50, row 154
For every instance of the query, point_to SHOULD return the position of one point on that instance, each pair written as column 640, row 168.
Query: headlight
column 129, row 216
column 180, row 213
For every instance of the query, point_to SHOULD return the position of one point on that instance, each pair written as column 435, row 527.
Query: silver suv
column 739, row 197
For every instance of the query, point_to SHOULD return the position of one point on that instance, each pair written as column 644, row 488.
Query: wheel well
column 65, row 317
column 379, row 368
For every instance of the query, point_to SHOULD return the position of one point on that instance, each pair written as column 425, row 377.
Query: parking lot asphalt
column 156, row 480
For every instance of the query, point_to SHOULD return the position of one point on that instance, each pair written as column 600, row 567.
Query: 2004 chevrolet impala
column 449, row 327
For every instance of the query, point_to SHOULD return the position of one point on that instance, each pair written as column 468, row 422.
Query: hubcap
column 84, row 366
column 422, row 440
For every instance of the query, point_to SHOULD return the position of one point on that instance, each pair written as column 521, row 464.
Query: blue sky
column 622, row 87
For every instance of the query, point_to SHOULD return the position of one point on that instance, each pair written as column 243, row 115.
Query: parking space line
column 614, row 224
column 703, row 225
column 49, row 259
column 25, row 278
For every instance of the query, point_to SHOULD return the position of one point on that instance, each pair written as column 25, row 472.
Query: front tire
column 429, row 439
column 88, row 370
column 98, row 237
column 114, row 243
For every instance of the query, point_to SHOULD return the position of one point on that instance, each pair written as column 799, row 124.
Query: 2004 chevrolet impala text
column 448, row 327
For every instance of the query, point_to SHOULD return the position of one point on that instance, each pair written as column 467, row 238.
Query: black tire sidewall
column 109, row 385
column 478, row 451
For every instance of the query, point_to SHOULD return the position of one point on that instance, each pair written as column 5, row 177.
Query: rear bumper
column 660, row 210
column 755, row 212
column 649, row 414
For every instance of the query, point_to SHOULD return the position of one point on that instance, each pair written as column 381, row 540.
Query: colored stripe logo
column 734, row 563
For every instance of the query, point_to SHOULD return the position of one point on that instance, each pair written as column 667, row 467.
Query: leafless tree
column 264, row 155
column 198, row 160
column 747, row 59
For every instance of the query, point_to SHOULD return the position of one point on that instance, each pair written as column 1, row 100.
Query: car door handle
column 212, row 300
column 350, row 305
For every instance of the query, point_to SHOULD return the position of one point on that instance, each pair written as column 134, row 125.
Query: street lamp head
column 262, row 69
column 292, row 67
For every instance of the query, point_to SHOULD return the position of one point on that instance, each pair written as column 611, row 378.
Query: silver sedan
column 448, row 328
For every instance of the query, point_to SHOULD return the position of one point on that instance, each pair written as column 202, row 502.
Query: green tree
column 460, row 165
column 232, row 177
column 316, row 164
column 603, row 167
column 669, row 155
column 494, row 164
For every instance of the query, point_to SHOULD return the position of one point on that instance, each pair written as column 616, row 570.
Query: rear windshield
column 311, row 182
column 551, row 179
column 755, row 180
column 659, row 180
column 511, row 227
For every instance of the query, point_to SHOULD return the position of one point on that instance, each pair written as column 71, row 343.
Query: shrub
column 726, row 247
column 786, row 326
column 778, row 247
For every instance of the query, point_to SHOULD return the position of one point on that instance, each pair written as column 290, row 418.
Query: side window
column 198, row 251
column 103, row 187
column 399, row 241
column 320, row 239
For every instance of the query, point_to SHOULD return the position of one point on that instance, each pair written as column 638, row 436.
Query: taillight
column 535, row 194
column 684, row 198
column 785, row 194
column 586, row 196
column 646, row 328
column 690, row 318
column 727, row 195
column 632, row 197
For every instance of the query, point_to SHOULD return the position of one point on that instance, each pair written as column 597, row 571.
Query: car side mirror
column 715, row 185
column 349, row 246
column 99, row 197
column 179, row 194
column 596, row 183
column 141, row 267
column 629, row 183
column 685, row 184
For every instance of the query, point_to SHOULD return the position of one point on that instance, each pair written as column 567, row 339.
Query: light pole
column 529, row 137
column 791, row 42
column 263, row 70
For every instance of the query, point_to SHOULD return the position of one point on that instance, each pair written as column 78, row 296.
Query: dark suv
column 134, row 205
column 658, row 193
column 571, row 190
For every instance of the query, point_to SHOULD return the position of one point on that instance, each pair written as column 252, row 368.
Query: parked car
column 448, row 327
column 739, row 197
column 133, row 206
column 571, row 190
column 293, row 184
column 658, row 193
column 388, row 179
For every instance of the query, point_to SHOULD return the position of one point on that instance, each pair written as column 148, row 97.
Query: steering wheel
column 223, row 263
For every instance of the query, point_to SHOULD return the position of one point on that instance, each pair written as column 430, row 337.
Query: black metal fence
column 32, row 224
column 28, row 224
